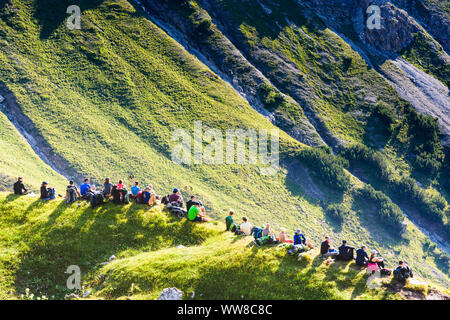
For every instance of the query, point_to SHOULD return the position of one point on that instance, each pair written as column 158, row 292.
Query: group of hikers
column 195, row 211
column 300, row 244
column 119, row 194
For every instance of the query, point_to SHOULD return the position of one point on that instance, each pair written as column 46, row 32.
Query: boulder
column 170, row 294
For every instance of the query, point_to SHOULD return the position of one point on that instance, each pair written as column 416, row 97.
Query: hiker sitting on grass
column 229, row 221
column 245, row 227
column 346, row 253
column 375, row 262
column 176, row 197
column 299, row 237
column 85, row 190
column 402, row 272
column 195, row 214
column 107, row 188
column 71, row 193
column 120, row 185
column 149, row 195
column 190, row 203
column 362, row 258
column 326, row 248
column 47, row 193
column 267, row 231
column 135, row 190
column 283, row 237
column 19, row 188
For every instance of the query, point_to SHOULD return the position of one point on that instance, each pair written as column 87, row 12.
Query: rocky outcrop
column 432, row 16
column 396, row 30
column 397, row 27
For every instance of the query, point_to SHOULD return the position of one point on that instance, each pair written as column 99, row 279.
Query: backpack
column 120, row 196
column 175, row 209
column 298, row 248
column 71, row 194
column 165, row 200
column 125, row 196
column 88, row 195
column 140, row 197
column 96, row 199
column 257, row 232
column 265, row 240
column 385, row 272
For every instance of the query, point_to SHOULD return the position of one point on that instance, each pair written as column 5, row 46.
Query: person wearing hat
column 19, row 188
column 345, row 252
column 195, row 214
column 402, row 272
column 362, row 258
column 47, row 193
column 299, row 238
column 176, row 197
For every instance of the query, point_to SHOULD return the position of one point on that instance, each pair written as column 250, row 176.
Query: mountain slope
column 18, row 159
column 106, row 99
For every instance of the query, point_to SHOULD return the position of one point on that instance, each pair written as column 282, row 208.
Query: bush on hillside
column 389, row 213
column 426, row 145
column 327, row 167
column 361, row 153
column 385, row 115
column 431, row 207
column 336, row 212
column 269, row 97
column 406, row 188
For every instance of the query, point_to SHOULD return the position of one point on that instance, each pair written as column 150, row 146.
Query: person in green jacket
column 229, row 221
column 196, row 213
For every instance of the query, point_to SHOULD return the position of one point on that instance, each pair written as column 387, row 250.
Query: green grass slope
column 106, row 99
column 39, row 240
column 18, row 159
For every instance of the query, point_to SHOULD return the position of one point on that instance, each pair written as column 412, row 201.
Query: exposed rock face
column 397, row 27
column 432, row 17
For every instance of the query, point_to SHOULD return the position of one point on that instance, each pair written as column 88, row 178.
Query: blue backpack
column 257, row 232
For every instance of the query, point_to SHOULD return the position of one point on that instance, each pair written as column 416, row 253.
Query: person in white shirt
column 245, row 227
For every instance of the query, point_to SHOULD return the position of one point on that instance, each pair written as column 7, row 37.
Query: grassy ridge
column 41, row 239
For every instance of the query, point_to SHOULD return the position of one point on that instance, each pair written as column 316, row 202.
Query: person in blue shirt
column 85, row 187
column 299, row 238
column 135, row 189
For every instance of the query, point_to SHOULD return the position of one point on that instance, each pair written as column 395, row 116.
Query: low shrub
column 336, row 212
column 327, row 167
column 389, row 213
